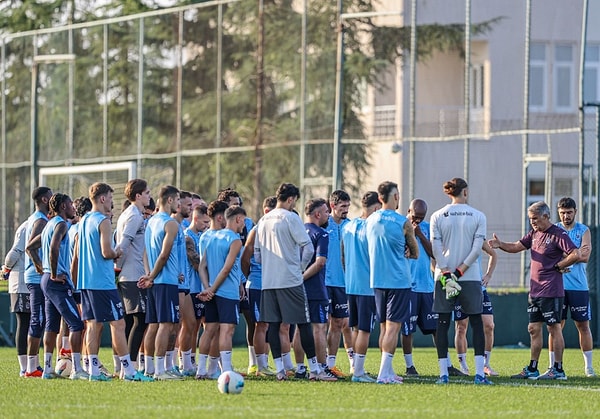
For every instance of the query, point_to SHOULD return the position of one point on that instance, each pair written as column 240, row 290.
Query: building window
column 591, row 74
column 563, row 78
column 477, row 86
column 537, row 77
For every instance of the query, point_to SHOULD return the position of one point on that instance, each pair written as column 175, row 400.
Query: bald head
column 417, row 211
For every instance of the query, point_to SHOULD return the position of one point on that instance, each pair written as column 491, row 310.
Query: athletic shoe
column 411, row 372
column 166, row 376
column 265, row 372
column 189, row 373
column 104, row 371
column 79, row 375
column 325, row 375
column 455, row 372
column 526, row 374
column 35, row 374
column 465, row 371
column 443, row 380
column 50, row 376
column 301, row 375
column 490, row 371
column 65, row 353
column 175, row 372
column 363, row 379
column 337, row 372
column 553, row 374
column 281, row 376
column 589, row 372
column 214, row 376
column 253, row 369
column 290, row 372
column 100, row 377
column 482, row 380
column 22, row 373
column 137, row 377
column 389, row 380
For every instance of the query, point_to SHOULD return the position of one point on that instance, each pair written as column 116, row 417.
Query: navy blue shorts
column 487, row 308
column 545, row 310
column 36, row 300
column 254, row 301
column 198, row 305
column 245, row 302
column 60, row 303
column 222, row 310
column 361, row 312
column 318, row 310
column 392, row 305
column 163, row 304
column 101, row 305
column 338, row 302
column 578, row 303
column 421, row 314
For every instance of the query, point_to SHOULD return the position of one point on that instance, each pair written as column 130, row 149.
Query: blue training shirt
column 420, row 269
column 31, row 275
column 385, row 238
column 356, row 257
column 254, row 281
column 94, row 272
column 315, row 285
column 153, row 239
column 195, row 283
column 576, row 280
column 334, row 271
column 63, row 266
column 216, row 255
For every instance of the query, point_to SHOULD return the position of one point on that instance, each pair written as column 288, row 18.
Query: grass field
column 577, row 397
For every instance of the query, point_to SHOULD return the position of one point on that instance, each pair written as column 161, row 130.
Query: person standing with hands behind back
column 548, row 244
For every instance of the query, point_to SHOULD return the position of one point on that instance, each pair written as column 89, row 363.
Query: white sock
column 551, row 359
column 226, row 361
column 94, row 365
column 313, row 365
column 287, row 361
column 141, row 361
column 448, row 360
column 159, row 365
column 117, row 363
column 300, row 367
column 186, row 358
column 488, row 355
column 408, row 359
column 22, row 362
column 31, row 363
column 587, row 359
column 252, row 357
column 462, row 360
column 149, row 365
column 331, row 361
column 169, row 355
column 443, row 363
column 213, row 364
column 65, row 343
column 350, row 353
column 47, row 362
column 359, row 364
column 127, row 365
column 479, row 363
column 201, row 369
column 86, row 363
column 262, row 361
column 278, row 364
column 76, row 357
column 386, row 365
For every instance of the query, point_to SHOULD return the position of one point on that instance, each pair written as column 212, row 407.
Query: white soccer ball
column 63, row 368
column 230, row 382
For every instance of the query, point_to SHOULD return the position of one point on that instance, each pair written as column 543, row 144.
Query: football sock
column 31, row 363
column 22, row 362
column 127, row 364
column 94, row 365
column 262, row 360
column 278, row 364
column 550, row 359
column 443, row 363
column 159, row 365
column 408, row 359
column 331, row 361
column 252, row 357
column 186, row 358
column 201, row 370
column 533, row 365
column 479, row 363
column 65, row 343
column 287, row 361
column 350, row 353
column 386, row 364
column 169, row 355
column 226, row 361
column 76, row 361
column 488, row 354
column 313, row 365
column 47, row 363
column 300, row 367
column 213, row 364
column 587, row 359
column 149, row 365
column 462, row 360
column 359, row 364
column 117, row 363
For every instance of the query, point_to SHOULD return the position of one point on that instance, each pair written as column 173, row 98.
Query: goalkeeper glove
column 450, row 284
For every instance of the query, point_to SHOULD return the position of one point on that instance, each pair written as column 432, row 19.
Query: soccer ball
column 230, row 382
column 64, row 366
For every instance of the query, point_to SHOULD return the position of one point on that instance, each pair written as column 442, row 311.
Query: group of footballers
column 181, row 265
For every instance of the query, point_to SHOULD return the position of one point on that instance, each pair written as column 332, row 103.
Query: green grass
column 577, row 397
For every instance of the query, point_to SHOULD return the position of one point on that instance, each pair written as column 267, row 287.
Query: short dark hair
column 234, row 211
column 567, row 202
column 216, row 207
column 151, row 204
column 184, row 194
column 287, row 190
column 370, row 198
column 385, row 189
column 226, row 194
column 166, row 192
column 98, row 189
column 455, row 186
column 196, row 196
column 270, row 202
column 312, row 204
column 40, row 192
column 83, row 205
column 338, row 196
column 201, row 210
column 134, row 187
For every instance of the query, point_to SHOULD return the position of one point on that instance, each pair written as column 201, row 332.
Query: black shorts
column 284, row 305
column 545, row 310
column 134, row 298
column 19, row 303
column 470, row 298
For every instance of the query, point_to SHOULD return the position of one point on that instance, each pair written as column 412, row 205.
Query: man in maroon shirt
column 548, row 244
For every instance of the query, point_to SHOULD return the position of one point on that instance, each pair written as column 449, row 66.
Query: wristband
column 458, row 273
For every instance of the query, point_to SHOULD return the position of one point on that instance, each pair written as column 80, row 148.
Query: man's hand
column 450, row 284
column 60, row 278
column 145, row 282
